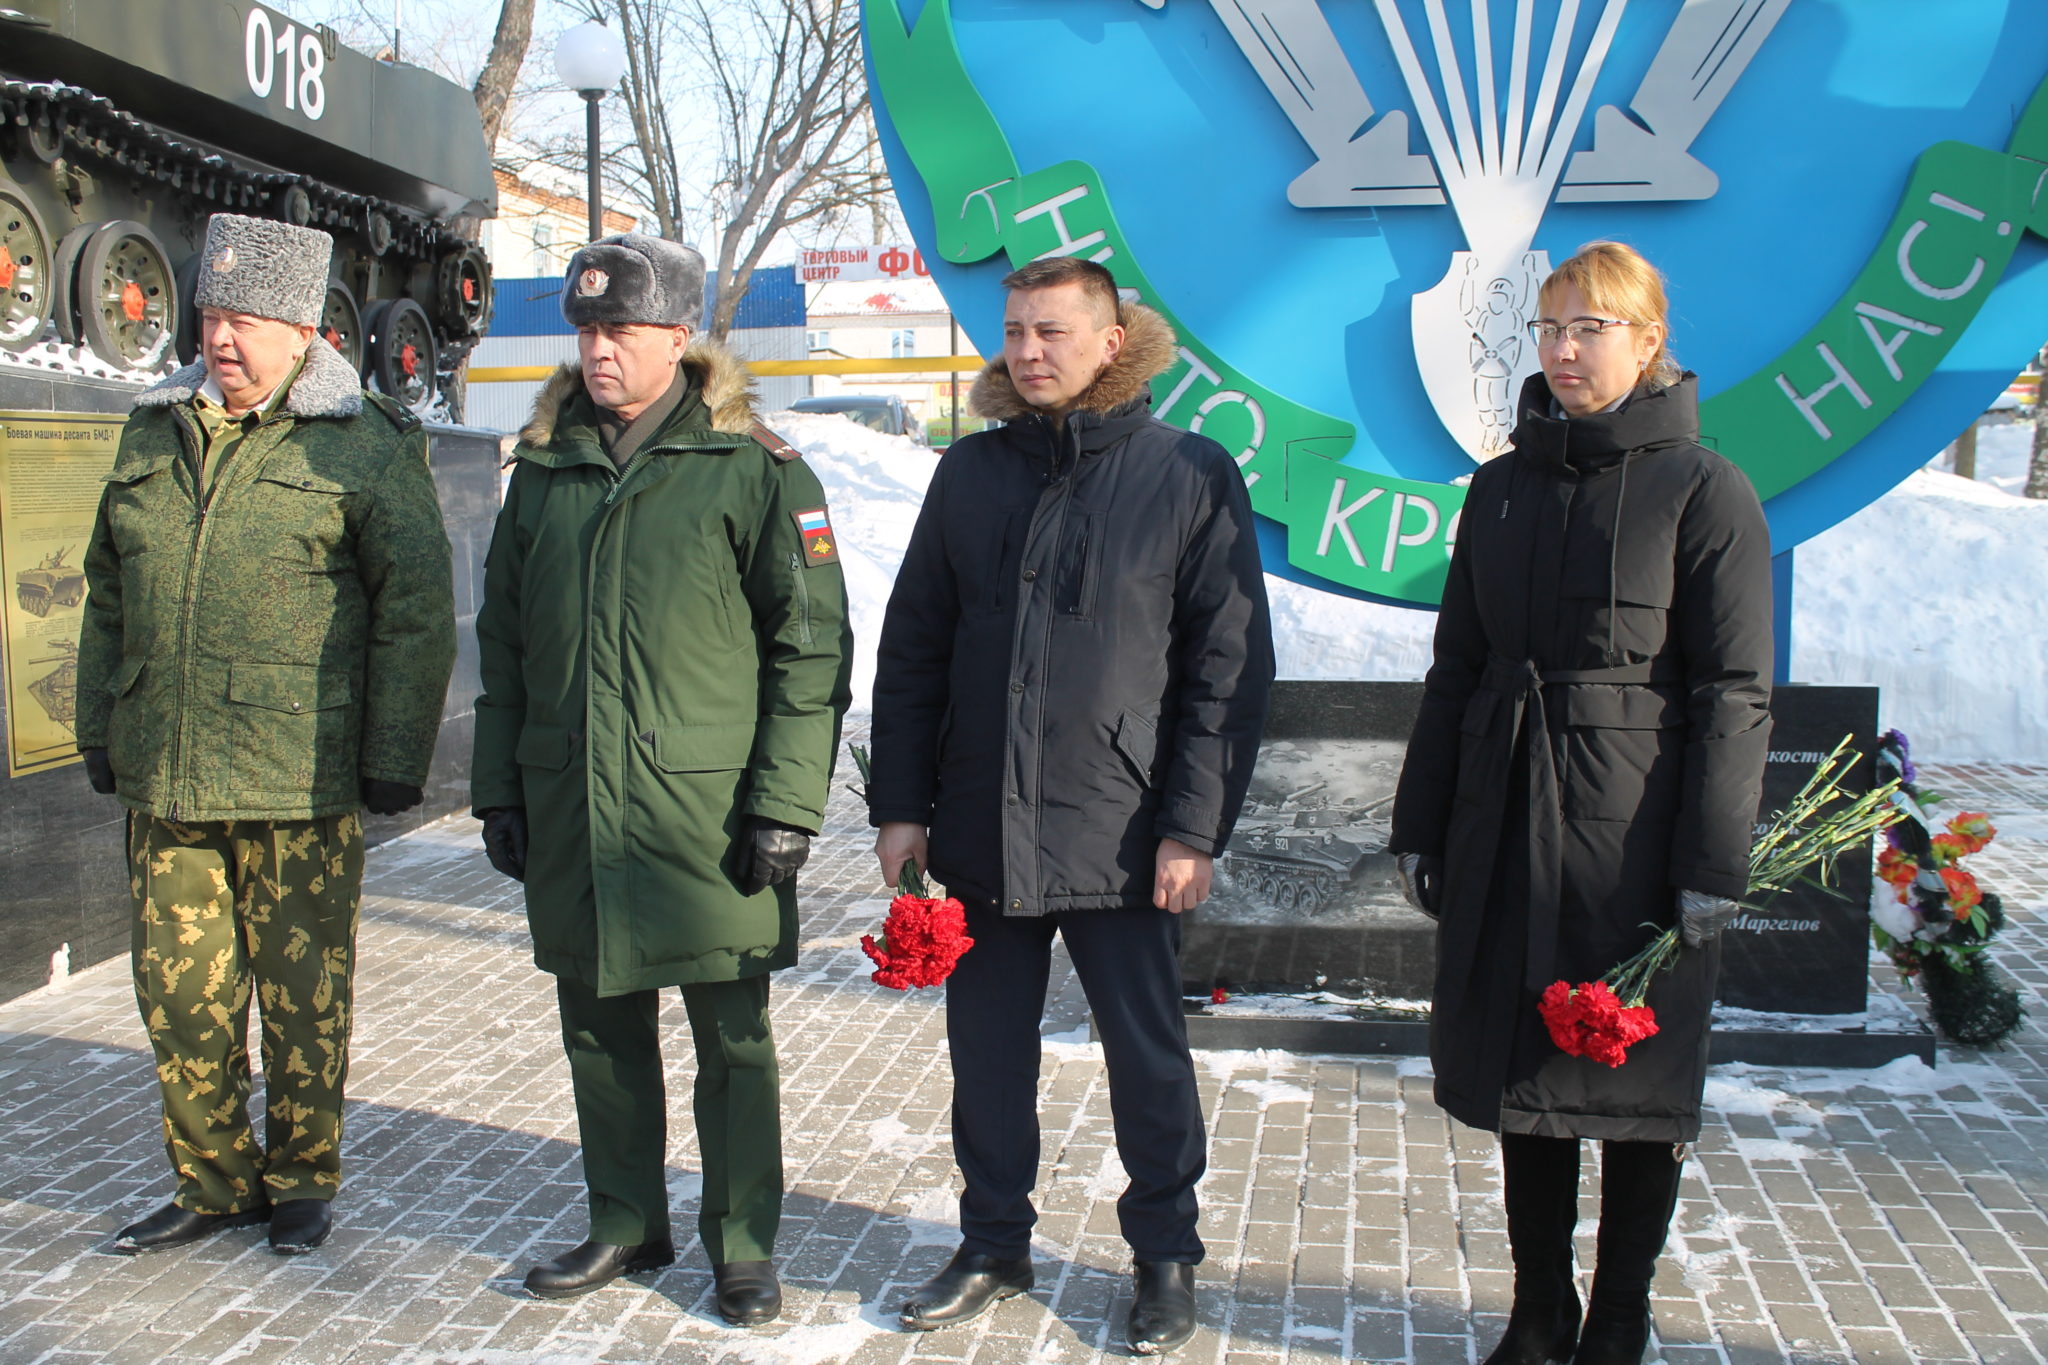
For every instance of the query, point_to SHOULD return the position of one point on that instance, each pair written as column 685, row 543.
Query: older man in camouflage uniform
column 265, row 651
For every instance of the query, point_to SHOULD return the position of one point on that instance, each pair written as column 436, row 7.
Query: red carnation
column 1590, row 1020
column 921, row 940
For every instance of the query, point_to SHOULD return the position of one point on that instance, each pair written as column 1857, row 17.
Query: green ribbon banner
column 1946, row 248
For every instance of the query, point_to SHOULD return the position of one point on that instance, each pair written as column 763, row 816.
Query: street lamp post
column 590, row 59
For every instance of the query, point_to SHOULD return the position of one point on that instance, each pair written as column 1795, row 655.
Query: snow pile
column 874, row 485
column 1931, row 593
column 1927, row 593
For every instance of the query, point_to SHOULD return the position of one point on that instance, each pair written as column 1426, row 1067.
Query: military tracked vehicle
column 1299, row 860
column 57, row 690
column 124, row 125
column 52, row 583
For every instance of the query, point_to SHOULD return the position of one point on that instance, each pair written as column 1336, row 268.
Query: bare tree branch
column 501, row 69
column 789, row 140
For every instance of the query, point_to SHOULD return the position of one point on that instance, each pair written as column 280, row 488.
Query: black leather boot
column 1638, row 1191
column 595, row 1265
column 299, row 1225
column 171, row 1226
column 1163, row 1309
column 969, row 1286
column 1540, row 1186
column 748, row 1293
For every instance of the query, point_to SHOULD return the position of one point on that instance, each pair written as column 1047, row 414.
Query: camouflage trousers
column 224, row 911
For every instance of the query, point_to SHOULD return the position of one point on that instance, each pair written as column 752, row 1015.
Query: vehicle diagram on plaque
column 52, row 468
column 52, row 583
column 1310, row 845
column 56, row 691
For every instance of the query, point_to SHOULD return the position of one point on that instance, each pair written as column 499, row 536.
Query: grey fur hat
column 264, row 267
column 635, row 278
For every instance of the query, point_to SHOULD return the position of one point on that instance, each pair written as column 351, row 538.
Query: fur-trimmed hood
column 328, row 386
column 1149, row 348
column 722, row 378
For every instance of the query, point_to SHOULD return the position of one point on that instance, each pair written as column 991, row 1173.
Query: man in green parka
column 665, row 656
column 265, row 651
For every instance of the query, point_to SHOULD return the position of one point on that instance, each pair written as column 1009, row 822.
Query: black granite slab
column 1807, row 951
column 1306, row 897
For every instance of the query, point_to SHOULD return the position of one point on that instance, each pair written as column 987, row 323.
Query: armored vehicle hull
column 52, row 583
column 123, row 126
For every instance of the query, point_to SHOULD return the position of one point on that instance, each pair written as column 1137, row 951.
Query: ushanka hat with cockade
column 634, row 278
column 264, row 267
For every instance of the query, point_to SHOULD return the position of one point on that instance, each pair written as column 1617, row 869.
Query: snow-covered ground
column 1934, row 593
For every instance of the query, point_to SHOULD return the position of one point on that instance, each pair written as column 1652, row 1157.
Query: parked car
column 885, row 413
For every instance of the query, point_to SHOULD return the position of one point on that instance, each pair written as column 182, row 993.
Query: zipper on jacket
column 1063, row 488
column 803, row 596
column 187, row 605
column 619, row 477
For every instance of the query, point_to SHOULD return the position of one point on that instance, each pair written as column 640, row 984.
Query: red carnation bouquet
column 1591, row 1020
column 921, row 939
column 923, row 935
column 1603, row 1019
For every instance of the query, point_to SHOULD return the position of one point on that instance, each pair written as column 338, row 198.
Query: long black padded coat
column 1592, row 738
column 1077, row 656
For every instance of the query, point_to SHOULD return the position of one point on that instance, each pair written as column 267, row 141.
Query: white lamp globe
column 590, row 57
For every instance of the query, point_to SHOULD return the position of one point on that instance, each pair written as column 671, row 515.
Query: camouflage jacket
column 257, row 653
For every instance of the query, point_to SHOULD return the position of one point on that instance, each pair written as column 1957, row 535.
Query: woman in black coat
column 1584, row 773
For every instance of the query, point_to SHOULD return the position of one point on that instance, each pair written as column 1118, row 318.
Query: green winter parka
column 665, row 651
column 255, row 653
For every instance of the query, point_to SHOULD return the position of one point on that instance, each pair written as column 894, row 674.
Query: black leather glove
column 505, row 840
column 389, row 798
column 1422, row 880
column 769, row 853
column 99, row 771
column 1702, row 917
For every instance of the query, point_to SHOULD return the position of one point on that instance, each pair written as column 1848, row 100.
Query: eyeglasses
column 1577, row 332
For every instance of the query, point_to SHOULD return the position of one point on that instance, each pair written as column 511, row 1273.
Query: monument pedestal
column 1307, row 920
column 1790, row 1040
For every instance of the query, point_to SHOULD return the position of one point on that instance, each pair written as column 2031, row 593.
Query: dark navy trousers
column 1129, row 964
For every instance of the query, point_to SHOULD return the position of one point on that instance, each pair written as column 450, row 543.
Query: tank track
column 58, row 121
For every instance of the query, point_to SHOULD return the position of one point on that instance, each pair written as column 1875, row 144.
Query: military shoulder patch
column 782, row 450
column 814, row 526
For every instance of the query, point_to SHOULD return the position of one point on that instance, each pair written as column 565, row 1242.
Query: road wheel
column 403, row 356
column 25, row 280
column 127, row 296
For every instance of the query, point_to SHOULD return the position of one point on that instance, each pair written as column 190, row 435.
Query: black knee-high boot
column 1540, row 1186
column 1638, row 1191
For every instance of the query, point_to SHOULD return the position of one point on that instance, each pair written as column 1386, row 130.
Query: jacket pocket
column 1482, row 771
column 303, row 513
column 295, row 729
column 544, row 746
column 133, row 463
column 124, row 728
column 702, row 748
column 1624, row 749
column 1137, row 740
column 1081, row 567
column 125, row 676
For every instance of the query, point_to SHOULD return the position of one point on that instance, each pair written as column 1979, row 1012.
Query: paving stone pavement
column 1829, row 1216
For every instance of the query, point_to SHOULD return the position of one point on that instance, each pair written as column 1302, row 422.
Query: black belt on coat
column 1519, row 684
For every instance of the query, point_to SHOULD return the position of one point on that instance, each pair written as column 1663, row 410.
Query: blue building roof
column 532, row 307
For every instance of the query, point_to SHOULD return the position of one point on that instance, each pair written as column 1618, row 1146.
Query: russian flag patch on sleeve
column 815, row 527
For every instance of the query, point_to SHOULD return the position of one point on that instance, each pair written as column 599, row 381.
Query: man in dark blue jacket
column 1072, row 680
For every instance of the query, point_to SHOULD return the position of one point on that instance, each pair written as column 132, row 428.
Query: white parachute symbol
column 1499, row 151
